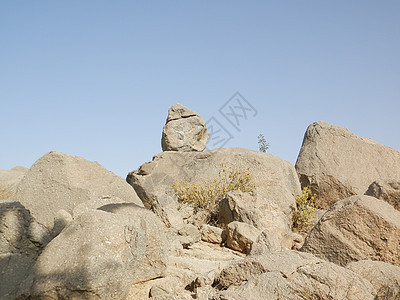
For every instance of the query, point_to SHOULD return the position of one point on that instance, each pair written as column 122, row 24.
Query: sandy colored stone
column 63, row 181
column 336, row 163
column 357, row 228
column 184, row 130
column 9, row 180
column 388, row 191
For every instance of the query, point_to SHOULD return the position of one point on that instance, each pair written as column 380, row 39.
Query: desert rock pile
column 70, row 229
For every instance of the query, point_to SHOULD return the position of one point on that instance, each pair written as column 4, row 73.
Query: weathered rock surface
column 240, row 236
column 383, row 276
column 274, row 178
column 388, row 191
column 188, row 273
column 252, row 210
column 212, row 234
column 184, row 130
column 99, row 255
column 14, row 268
column 291, row 275
column 19, row 231
column 9, row 180
column 357, row 228
column 337, row 163
column 62, row 181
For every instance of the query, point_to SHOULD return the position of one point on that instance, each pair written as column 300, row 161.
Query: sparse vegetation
column 263, row 146
column 304, row 217
column 207, row 194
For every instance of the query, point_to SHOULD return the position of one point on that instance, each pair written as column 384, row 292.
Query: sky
column 96, row 78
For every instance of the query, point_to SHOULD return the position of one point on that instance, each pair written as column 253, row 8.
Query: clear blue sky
column 96, row 78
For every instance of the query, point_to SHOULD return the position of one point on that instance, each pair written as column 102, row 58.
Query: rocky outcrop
column 184, row 130
column 21, row 241
column 383, row 276
column 290, row 275
column 100, row 255
column 275, row 180
column 9, row 180
column 357, row 228
column 337, row 163
column 62, row 181
column 388, row 191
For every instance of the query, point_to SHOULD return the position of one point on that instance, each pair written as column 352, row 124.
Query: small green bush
column 304, row 217
column 207, row 194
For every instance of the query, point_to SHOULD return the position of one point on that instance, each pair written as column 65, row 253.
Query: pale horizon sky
column 96, row 78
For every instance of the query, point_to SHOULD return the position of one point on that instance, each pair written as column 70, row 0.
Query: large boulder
column 388, row 191
column 275, row 180
column 184, row 130
column 9, row 180
column 357, row 228
column 383, row 276
column 21, row 241
column 337, row 163
column 100, row 255
column 62, row 181
column 291, row 275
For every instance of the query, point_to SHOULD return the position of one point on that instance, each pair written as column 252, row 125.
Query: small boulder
column 184, row 130
column 240, row 236
column 212, row 234
column 357, row 228
column 62, row 181
column 388, row 191
column 383, row 276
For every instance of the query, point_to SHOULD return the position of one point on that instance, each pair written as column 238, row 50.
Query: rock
column 19, row 231
column 253, row 210
column 167, row 209
column 62, row 181
column 274, row 178
column 291, row 275
column 14, row 268
column 265, row 242
column 184, row 130
column 383, row 276
column 95, row 203
column 9, row 180
column 61, row 220
column 388, row 191
column 189, row 234
column 337, row 164
column 100, row 255
column 212, row 234
column 240, row 236
column 357, row 228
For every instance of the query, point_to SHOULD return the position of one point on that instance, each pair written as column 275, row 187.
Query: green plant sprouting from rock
column 207, row 194
column 304, row 217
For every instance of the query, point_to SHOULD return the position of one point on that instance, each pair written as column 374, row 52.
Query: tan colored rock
column 337, row 163
column 274, row 178
column 212, row 234
column 62, row 181
column 253, row 210
column 388, row 191
column 9, row 180
column 291, row 275
column 100, row 255
column 240, row 236
column 19, row 231
column 383, row 276
column 184, row 130
column 357, row 228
